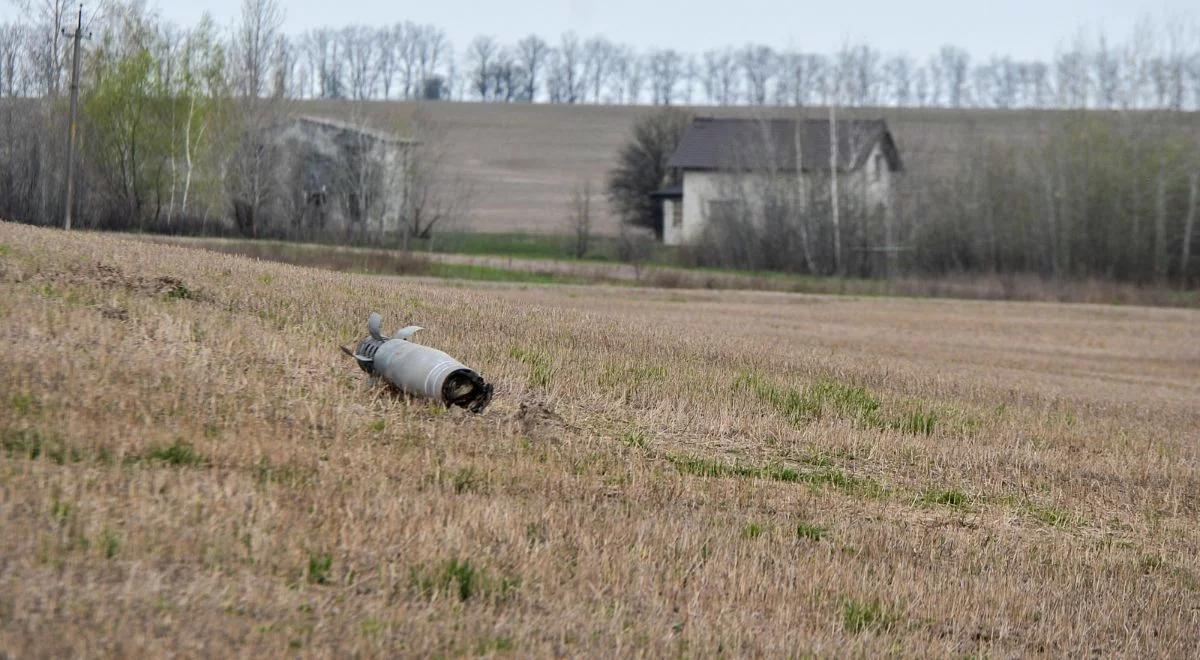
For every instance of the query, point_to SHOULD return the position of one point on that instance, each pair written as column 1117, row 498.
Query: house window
column 879, row 166
column 677, row 213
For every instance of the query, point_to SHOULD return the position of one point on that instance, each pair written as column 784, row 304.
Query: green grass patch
column 34, row 443
column 534, row 246
column 111, row 543
column 319, row 566
column 178, row 453
column 178, row 291
column 832, row 477
column 495, row 645
column 495, row 274
column 871, row 616
column 918, row 422
column 823, row 398
column 828, row 397
column 810, row 532
column 288, row 474
column 707, row 467
column 635, row 439
column 945, row 497
column 540, row 370
column 502, row 244
column 1054, row 516
column 752, row 531
column 24, row 404
column 466, row 480
column 1151, row 563
column 461, row 579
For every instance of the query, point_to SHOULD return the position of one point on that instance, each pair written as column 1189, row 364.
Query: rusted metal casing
column 420, row 370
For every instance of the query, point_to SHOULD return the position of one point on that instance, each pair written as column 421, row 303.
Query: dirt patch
column 110, row 277
column 536, row 418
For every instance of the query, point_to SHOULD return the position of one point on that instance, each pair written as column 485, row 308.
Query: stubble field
column 189, row 465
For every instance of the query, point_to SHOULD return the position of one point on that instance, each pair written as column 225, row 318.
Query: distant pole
column 69, row 201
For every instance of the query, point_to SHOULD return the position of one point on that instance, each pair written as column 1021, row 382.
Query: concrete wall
column 700, row 188
column 337, row 161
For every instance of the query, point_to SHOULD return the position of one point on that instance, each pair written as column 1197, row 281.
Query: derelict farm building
column 717, row 156
column 340, row 176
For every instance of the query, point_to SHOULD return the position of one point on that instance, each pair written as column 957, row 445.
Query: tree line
column 1081, row 195
column 178, row 133
column 1157, row 65
column 172, row 121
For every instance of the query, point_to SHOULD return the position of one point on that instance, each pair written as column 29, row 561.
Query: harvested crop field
column 189, row 465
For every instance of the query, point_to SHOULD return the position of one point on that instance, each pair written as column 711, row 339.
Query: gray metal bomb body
column 414, row 368
column 420, row 370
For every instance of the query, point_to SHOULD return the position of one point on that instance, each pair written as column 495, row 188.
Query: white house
column 715, row 156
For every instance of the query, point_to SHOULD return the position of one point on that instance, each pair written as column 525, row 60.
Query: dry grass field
column 188, row 465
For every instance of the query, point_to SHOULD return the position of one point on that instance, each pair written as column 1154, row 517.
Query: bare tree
column 597, row 63
column 255, row 37
column 1175, row 61
column 387, row 40
column 47, row 47
column 283, row 64
column 720, row 77
column 634, row 247
column 1189, row 224
column 480, row 55
column 507, row 77
column 566, row 70
column 666, row 68
column 625, row 75
column 1108, row 75
column 953, row 66
column 321, row 53
column 435, row 194
column 1135, row 65
column 1072, row 82
column 359, row 51
column 12, row 44
column 431, row 48
column 758, row 63
column 579, row 220
column 690, row 77
column 408, row 45
column 532, row 52
column 857, row 70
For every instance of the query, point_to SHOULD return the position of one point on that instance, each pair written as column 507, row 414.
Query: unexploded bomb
column 420, row 370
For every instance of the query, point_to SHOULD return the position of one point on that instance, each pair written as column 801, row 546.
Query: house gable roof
column 347, row 130
column 712, row 144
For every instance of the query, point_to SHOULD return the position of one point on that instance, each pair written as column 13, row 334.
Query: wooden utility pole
column 835, row 211
column 69, row 201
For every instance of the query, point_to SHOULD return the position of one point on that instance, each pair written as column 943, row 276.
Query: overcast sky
column 1021, row 28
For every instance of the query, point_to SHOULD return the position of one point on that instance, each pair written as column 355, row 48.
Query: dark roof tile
column 710, row 144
